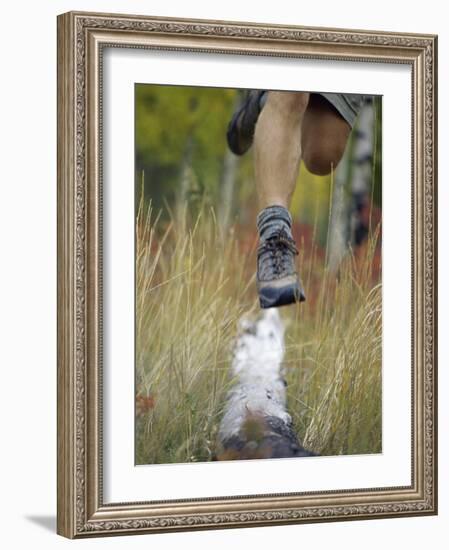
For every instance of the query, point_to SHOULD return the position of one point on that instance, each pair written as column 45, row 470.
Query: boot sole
column 281, row 296
column 239, row 141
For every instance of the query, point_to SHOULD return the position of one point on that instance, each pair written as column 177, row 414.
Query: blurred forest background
column 196, row 244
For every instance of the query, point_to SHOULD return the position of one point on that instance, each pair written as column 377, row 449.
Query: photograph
column 258, row 274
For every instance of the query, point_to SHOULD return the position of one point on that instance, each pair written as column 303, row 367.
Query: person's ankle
column 273, row 219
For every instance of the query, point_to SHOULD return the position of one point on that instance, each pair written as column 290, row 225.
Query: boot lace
column 277, row 251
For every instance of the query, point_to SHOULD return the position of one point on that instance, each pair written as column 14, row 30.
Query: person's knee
column 322, row 158
column 290, row 104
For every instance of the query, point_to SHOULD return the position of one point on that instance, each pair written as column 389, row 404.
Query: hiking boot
column 278, row 283
column 241, row 128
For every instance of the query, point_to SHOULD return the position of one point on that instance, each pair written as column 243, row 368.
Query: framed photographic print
column 246, row 274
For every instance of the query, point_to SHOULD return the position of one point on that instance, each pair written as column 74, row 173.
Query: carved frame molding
column 81, row 39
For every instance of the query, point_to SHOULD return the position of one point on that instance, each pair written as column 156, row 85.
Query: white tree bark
column 355, row 170
column 227, row 184
column 256, row 423
column 338, row 224
column 362, row 171
column 229, row 175
column 186, row 172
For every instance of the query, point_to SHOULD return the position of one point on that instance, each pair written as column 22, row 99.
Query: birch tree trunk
column 229, row 176
column 256, row 423
column 186, row 172
column 362, row 173
column 352, row 185
column 338, row 224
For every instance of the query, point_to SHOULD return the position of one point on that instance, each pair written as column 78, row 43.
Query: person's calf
column 277, row 146
column 321, row 158
column 324, row 136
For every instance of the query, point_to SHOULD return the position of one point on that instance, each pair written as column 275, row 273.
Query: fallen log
column 256, row 423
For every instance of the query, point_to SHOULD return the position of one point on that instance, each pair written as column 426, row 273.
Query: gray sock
column 272, row 219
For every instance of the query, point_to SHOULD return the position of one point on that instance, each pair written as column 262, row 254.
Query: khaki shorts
column 348, row 105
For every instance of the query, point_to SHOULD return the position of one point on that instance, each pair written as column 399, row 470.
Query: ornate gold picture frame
column 82, row 41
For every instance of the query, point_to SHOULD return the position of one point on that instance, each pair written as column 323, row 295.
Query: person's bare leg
column 277, row 153
column 291, row 124
column 277, row 147
column 324, row 136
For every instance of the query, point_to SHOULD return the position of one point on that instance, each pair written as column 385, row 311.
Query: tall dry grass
column 334, row 361
column 192, row 285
